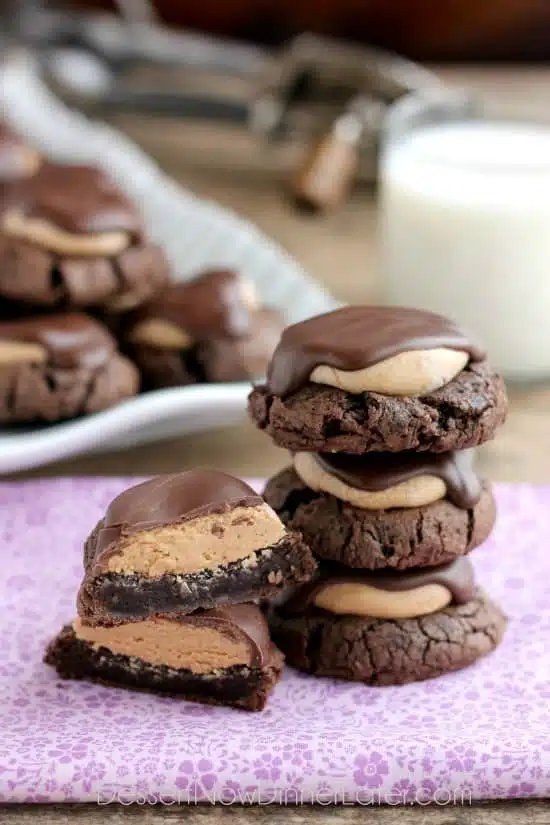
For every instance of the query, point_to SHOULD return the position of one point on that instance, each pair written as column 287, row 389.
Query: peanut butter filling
column 28, row 162
column 19, row 352
column 160, row 333
column 249, row 294
column 51, row 237
column 205, row 542
column 179, row 645
column 359, row 599
column 415, row 492
column 415, row 372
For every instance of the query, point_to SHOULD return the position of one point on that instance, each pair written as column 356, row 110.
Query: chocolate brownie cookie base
column 240, row 687
column 384, row 652
column 37, row 276
column 162, row 368
column 374, row 539
column 112, row 598
column 40, row 392
column 464, row 413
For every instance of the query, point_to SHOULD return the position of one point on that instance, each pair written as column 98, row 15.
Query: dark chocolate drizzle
column 457, row 576
column 172, row 499
column 210, row 306
column 379, row 471
column 13, row 155
column 238, row 619
column 356, row 337
column 78, row 199
column 72, row 341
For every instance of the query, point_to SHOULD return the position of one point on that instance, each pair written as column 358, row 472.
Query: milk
column 464, row 230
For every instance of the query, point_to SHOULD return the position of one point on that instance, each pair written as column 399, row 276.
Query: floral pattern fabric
column 483, row 733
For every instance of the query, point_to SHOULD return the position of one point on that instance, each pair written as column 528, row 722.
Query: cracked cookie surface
column 389, row 652
column 464, row 413
column 374, row 539
column 44, row 392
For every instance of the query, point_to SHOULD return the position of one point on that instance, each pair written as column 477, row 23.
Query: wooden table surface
column 340, row 251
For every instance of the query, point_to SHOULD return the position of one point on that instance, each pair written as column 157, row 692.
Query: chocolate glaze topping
column 172, row 499
column 71, row 341
column 238, row 620
column 356, row 337
column 210, row 306
column 78, row 199
column 379, row 471
column 13, row 155
column 457, row 577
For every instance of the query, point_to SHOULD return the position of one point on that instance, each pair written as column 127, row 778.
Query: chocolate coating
column 170, row 499
column 238, row 619
column 71, row 341
column 457, row 577
column 356, row 337
column 210, row 306
column 79, row 199
column 379, row 471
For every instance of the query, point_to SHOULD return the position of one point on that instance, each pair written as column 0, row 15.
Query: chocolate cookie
column 209, row 329
column 222, row 657
column 463, row 413
column 54, row 367
column 184, row 542
column 245, row 358
column 163, row 368
column 388, row 651
column 373, row 539
column 70, row 238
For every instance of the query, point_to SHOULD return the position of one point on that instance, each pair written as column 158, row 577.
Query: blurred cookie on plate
column 210, row 329
column 70, row 238
column 54, row 367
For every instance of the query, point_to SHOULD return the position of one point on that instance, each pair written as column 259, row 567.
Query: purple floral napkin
column 483, row 733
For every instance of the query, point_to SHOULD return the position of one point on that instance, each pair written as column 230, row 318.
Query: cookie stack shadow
column 173, row 574
column 381, row 409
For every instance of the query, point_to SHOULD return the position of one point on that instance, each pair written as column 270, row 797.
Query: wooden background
column 423, row 29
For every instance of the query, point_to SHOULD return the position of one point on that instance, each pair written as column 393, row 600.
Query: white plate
column 194, row 233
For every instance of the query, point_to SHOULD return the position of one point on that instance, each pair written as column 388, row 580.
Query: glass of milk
column 464, row 226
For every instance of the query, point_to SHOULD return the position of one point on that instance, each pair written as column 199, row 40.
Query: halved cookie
column 185, row 542
column 221, row 656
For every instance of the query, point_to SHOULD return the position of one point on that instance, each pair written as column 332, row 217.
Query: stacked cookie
column 381, row 408
column 167, row 603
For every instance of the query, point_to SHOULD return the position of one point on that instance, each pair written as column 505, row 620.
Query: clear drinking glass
column 464, row 225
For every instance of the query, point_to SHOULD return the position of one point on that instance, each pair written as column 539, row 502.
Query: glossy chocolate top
column 78, row 199
column 379, row 471
column 210, row 306
column 356, row 337
column 71, row 341
column 238, row 619
column 14, row 155
column 457, row 577
column 171, row 499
